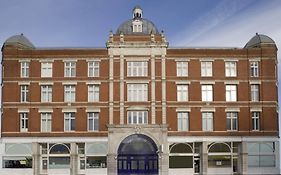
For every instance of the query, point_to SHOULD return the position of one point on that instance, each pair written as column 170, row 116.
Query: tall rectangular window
column 230, row 93
column 93, row 68
column 137, row 92
column 255, row 92
column 46, row 69
column 137, row 117
column 206, row 69
column 136, row 68
column 46, row 122
column 207, row 92
column 70, row 69
column 93, row 93
column 24, row 122
column 24, row 69
column 183, row 123
column 231, row 120
column 182, row 92
column 182, row 69
column 255, row 121
column 93, row 121
column 46, row 93
column 254, row 68
column 69, row 93
column 69, row 121
column 230, row 69
column 24, row 93
column 207, row 121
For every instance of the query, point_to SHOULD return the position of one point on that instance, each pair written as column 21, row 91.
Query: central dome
column 137, row 25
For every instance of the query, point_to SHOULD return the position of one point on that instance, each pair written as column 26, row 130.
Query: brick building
column 139, row 107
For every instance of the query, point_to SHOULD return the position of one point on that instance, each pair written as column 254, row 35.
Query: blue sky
column 187, row 23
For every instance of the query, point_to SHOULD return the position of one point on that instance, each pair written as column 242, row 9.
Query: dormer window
column 137, row 26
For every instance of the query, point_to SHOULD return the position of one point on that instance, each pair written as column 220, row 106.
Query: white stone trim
column 93, row 83
column 231, row 82
column 184, row 139
column 24, row 83
column 206, row 59
column 92, row 109
column 24, row 60
column 137, row 108
column 20, row 110
column 254, row 59
column 137, row 81
column 69, row 110
column 93, row 60
column 255, row 81
column 128, row 59
column 45, row 60
column 207, row 82
column 182, row 59
column 182, row 82
column 231, row 59
column 232, row 110
column 69, row 60
column 45, row 110
column 69, row 83
column 256, row 109
column 183, row 110
column 208, row 109
column 46, row 83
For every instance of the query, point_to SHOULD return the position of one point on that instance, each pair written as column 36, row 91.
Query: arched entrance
column 137, row 155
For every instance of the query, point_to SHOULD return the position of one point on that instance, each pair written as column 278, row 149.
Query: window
column 182, row 92
column 182, row 69
column 24, row 93
column 207, row 121
column 46, row 93
column 46, row 69
column 181, row 156
column 255, row 94
column 230, row 93
column 261, row 154
column 137, row 117
column 231, row 120
column 254, row 68
column 93, row 121
column 137, row 92
column 219, row 155
column 206, row 68
column 46, row 122
column 207, row 92
column 69, row 121
column 24, row 69
column 136, row 68
column 93, row 93
column 24, row 122
column 69, row 93
column 17, row 162
column 182, row 121
column 255, row 121
column 230, row 69
column 93, row 68
column 137, row 26
column 70, row 69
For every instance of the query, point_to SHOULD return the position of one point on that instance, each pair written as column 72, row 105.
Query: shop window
column 96, row 162
column 17, row 162
column 261, row 154
column 59, row 162
column 181, row 156
column 219, row 155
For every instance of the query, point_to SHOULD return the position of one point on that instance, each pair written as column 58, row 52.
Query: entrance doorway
column 137, row 155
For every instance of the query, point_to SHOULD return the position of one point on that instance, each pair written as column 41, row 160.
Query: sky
column 186, row 23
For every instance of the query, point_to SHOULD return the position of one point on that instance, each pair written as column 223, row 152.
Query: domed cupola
column 259, row 41
column 19, row 41
column 138, row 25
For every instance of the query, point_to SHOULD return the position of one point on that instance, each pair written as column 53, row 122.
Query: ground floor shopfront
column 139, row 150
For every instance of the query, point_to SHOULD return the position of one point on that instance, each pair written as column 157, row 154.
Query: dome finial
column 137, row 12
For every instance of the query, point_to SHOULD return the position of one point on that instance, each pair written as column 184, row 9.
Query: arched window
column 59, row 156
column 59, row 149
column 181, row 155
column 219, row 155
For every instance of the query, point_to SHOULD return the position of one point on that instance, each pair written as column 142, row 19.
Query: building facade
column 139, row 107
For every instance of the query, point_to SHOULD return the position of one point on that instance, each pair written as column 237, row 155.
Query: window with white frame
column 183, row 121
column 70, row 69
column 93, row 93
column 46, row 122
column 230, row 93
column 182, row 68
column 254, row 68
column 24, row 93
column 182, row 92
column 232, row 121
column 207, row 121
column 24, row 69
column 24, row 122
column 93, row 68
column 46, row 93
column 46, row 69
column 69, row 93
column 137, row 117
column 69, row 121
column 136, row 68
column 230, row 69
column 207, row 92
column 137, row 92
column 93, row 121
column 255, row 121
column 206, row 69
column 255, row 92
